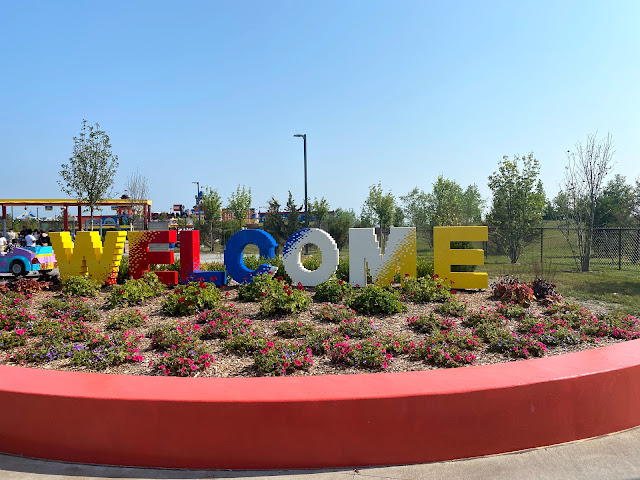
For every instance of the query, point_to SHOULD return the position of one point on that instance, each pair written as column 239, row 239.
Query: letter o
column 293, row 249
column 233, row 254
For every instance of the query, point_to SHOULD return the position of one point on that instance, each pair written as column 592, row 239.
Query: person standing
column 30, row 239
column 44, row 239
column 3, row 243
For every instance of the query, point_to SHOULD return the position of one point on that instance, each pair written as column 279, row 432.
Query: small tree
column 293, row 222
column 445, row 203
column 518, row 202
column 138, row 191
column 379, row 207
column 239, row 203
column 273, row 222
column 211, row 204
column 584, row 179
column 89, row 174
column 319, row 209
column 415, row 206
column 339, row 224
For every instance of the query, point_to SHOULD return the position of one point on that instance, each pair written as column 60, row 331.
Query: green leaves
column 91, row 169
column 518, row 202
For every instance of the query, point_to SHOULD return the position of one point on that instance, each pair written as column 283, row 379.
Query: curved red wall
column 320, row 421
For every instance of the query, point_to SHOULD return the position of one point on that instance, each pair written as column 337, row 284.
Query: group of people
column 25, row 238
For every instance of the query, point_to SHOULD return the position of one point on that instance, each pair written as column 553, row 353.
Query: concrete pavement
column 615, row 456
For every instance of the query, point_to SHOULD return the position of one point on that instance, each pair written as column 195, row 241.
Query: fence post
column 541, row 246
column 620, row 248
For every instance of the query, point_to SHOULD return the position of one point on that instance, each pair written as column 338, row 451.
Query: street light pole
column 306, row 195
column 197, row 195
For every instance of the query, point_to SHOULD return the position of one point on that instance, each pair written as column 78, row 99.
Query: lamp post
column 197, row 196
column 306, row 196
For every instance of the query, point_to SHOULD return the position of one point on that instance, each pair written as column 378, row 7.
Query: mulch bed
column 233, row 365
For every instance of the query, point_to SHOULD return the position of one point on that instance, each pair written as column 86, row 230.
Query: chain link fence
column 612, row 248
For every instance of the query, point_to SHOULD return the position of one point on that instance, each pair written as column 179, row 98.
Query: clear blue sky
column 398, row 92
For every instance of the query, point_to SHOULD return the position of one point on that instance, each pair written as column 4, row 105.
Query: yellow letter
column 444, row 256
column 87, row 256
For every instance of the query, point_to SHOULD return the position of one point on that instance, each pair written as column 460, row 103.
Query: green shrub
column 395, row 344
column 281, row 358
column 185, row 361
column 73, row 309
column 372, row 300
column 14, row 312
column 357, row 328
column 212, row 267
column 123, row 270
column 367, row 354
column 511, row 310
column 335, row 314
column 312, row 262
column 254, row 291
column 219, row 314
column 342, row 272
column 126, row 320
column 14, row 338
column 135, row 291
column 515, row 346
column 427, row 289
column 424, row 267
column 80, row 287
column 173, row 335
column 334, row 291
column 289, row 329
column 223, row 327
column 191, row 298
column 245, row 342
column 121, row 347
column 281, row 298
column 452, row 307
column 315, row 341
column 441, row 354
column 430, row 323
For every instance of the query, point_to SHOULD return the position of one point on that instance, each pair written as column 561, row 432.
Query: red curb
column 319, row 421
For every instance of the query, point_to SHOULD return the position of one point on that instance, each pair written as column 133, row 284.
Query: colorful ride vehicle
column 21, row 260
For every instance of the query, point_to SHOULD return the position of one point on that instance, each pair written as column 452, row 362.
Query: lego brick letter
column 399, row 255
column 87, row 256
column 293, row 249
column 444, row 256
column 140, row 257
column 234, row 262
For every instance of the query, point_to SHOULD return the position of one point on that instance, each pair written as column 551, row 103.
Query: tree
column 239, row 203
column 378, row 208
column 138, row 189
column 518, row 202
column 472, row 206
column 584, row 179
column 614, row 208
column 339, row 224
column 319, row 209
column 293, row 222
column 273, row 222
column 89, row 174
column 415, row 206
column 445, row 203
column 398, row 216
column 211, row 204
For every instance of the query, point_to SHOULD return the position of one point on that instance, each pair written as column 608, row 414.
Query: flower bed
column 273, row 328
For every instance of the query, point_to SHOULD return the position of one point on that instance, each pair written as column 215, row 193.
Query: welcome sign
column 89, row 257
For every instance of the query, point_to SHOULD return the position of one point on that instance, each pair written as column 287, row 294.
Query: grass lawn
column 620, row 289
